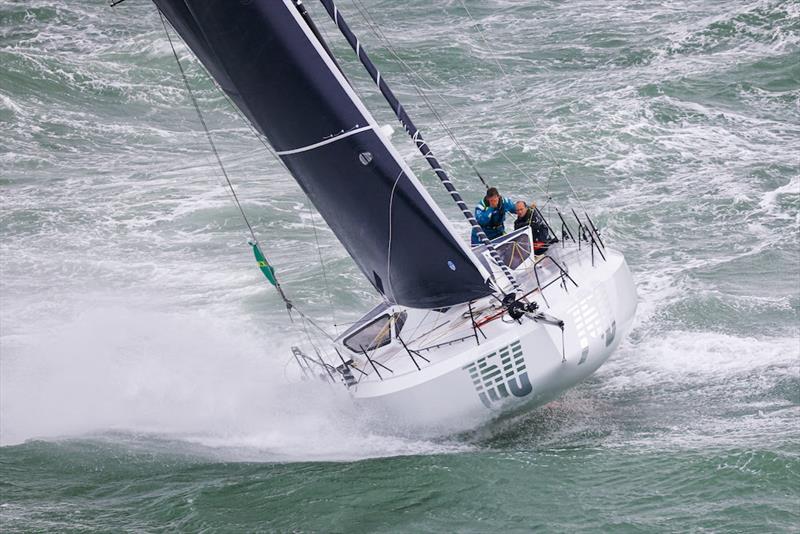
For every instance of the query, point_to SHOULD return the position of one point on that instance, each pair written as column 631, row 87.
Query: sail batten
column 278, row 72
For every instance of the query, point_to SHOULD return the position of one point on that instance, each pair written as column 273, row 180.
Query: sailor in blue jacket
column 491, row 214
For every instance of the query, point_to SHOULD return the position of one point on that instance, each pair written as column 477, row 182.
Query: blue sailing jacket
column 492, row 220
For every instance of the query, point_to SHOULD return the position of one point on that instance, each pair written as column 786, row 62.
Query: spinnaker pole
column 415, row 134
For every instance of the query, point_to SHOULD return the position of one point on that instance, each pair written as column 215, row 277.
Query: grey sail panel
column 267, row 60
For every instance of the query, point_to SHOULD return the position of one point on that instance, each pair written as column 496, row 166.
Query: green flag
column 265, row 267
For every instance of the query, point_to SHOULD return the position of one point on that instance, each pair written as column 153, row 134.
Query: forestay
column 267, row 59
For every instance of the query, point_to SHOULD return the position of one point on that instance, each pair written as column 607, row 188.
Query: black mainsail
column 269, row 61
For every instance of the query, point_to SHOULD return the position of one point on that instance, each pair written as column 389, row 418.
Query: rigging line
column 389, row 251
column 525, row 174
column 205, row 127
column 272, row 152
column 519, row 101
column 308, row 336
column 258, row 135
column 324, row 272
column 262, row 140
column 288, row 303
column 424, row 318
column 450, row 133
column 365, row 14
column 416, row 136
column 313, row 323
column 381, row 36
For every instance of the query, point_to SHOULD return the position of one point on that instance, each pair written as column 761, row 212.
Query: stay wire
column 520, row 103
column 373, row 26
column 324, row 271
column 364, row 12
column 389, row 249
column 275, row 156
column 289, row 305
column 205, row 128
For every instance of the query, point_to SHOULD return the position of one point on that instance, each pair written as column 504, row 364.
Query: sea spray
column 134, row 324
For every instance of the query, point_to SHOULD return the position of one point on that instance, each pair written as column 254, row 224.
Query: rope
column 277, row 158
column 416, row 136
column 364, row 12
column 287, row 302
column 389, row 248
column 379, row 33
column 520, row 103
column 205, row 128
column 308, row 336
column 324, row 271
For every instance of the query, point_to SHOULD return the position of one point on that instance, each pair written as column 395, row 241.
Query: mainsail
column 268, row 60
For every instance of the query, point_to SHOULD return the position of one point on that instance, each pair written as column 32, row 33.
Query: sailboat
column 462, row 333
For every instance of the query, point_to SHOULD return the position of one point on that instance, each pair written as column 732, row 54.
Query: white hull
column 510, row 365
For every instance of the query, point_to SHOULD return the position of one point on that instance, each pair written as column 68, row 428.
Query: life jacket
column 497, row 218
column 522, row 222
column 539, row 230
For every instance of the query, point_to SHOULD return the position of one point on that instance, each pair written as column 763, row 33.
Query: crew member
column 490, row 214
column 529, row 216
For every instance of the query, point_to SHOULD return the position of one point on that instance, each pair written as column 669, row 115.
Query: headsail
column 267, row 59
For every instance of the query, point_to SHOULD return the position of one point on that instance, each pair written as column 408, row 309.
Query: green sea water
column 144, row 383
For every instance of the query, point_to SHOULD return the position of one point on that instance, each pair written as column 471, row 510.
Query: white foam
column 134, row 220
column 9, row 104
column 769, row 200
column 691, row 358
column 189, row 376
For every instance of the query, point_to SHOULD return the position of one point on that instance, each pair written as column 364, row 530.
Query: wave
column 131, row 302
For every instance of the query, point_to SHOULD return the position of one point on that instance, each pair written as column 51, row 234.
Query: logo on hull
column 499, row 374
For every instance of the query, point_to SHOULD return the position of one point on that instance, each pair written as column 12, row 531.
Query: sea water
column 145, row 379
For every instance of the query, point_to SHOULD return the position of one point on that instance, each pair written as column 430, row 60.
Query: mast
column 414, row 133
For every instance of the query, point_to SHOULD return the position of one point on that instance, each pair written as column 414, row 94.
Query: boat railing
column 562, row 276
column 416, row 354
column 593, row 237
column 375, row 363
column 445, row 344
column 587, row 233
column 308, row 363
